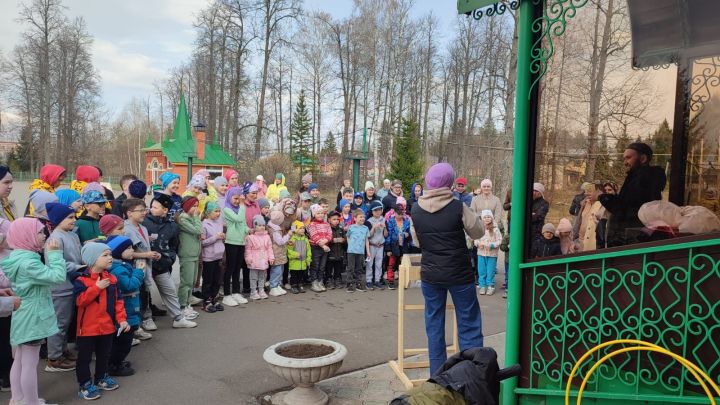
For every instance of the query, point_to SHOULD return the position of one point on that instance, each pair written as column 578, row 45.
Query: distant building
column 174, row 151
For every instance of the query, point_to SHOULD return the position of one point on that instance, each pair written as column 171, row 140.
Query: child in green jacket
column 237, row 229
column 88, row 225
column 189, row 252
column 299, row 256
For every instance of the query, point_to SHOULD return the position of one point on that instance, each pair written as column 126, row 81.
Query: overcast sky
column 138, row 41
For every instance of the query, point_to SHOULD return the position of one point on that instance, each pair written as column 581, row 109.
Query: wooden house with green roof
column 187, row 146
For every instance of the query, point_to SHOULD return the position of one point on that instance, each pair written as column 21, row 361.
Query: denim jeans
column 507, row 267
column 487, row 267
column 469, row 320
column 276, row 275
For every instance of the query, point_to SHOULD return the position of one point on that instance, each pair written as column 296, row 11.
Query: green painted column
column 356, row 174
column 519, row 195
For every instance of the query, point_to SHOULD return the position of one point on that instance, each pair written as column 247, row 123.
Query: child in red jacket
column 321, row 236
column 101, row 316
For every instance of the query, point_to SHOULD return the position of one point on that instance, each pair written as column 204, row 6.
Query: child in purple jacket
column 213, row 248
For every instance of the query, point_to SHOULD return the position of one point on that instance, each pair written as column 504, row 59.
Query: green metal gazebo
column 666, row 293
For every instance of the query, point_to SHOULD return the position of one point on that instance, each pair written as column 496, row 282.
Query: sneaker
column 189, row 313
column 330, row 285
column 157, row 311
column 491, row 290
column 274, row 292
column 482, row 291
column 322, row 286
column 316, row 286
column 89, row 391
column 183, row 323
column 135, row 342
column 5, row 384
column 350, row 288
column 209, row 308
column 370, row 286
column 295, row 290
column 240, row 299
column 263, row 294
column 361, row 287
column 302, row 289
column 229, row 301
column 142, row 335
column 255, row 296
column 219, row 307
column 59, row 365
column 282, row 290
column 120, row 371
column 380, row 286
column 70, row 355
column 195, row 300
column 504, row 294
column 107, row 383
column 391, row 285
column 287, row 286
column 149, row 324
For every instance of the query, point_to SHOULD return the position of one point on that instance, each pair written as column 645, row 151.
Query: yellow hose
column 694, row 369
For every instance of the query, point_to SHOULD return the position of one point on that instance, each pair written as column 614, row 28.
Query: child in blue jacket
column 129, row 281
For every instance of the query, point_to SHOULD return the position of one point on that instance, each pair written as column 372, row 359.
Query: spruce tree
column 329, row 147
column 407, row 163
column 662, row 144
column 301, row 149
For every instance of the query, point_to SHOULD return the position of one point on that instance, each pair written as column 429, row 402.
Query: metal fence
column 667, row 295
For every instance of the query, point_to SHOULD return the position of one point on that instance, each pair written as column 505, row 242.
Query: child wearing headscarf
column 50, row 178
column 237, row 230
column 259, row 257
column 35, row 319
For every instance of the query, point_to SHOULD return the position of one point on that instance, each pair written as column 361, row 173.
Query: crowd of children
column 235, row 243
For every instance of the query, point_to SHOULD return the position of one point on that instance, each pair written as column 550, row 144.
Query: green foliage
column 662, row 144
column 329, row 147
column 20, row 158
column 300, row 140
column 407, row 162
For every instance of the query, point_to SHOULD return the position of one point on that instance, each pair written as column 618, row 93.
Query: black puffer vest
column 445, row 257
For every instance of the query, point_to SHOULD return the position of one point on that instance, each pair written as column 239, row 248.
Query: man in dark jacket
column 540, row 208
column 440, row 223
column 643, row 183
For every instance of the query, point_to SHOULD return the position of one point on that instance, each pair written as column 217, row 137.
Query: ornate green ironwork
column 498, row 8
column 551, row 24
column 666, row 295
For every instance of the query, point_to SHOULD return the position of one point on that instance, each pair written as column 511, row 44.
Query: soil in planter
column 304, row 351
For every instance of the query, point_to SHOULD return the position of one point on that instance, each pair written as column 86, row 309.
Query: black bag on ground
column 472, row 373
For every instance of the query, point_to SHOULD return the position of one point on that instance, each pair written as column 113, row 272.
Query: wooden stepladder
column 408, row 272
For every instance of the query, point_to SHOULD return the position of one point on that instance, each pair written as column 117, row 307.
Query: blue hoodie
column 129, row 281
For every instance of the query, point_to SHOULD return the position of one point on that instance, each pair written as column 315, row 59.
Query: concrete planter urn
column 304, row 373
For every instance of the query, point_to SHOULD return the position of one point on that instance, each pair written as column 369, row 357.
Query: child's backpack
column 474, row 374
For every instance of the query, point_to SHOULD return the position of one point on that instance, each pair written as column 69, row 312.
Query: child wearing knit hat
column 259, row 256
column 101, row 316
column 299, row 256
column 60, row 358
column 112, row 225
column 487, row 252
column 129, row 282
column 320, row 237
column 547, row 245
column 191, row 234
column 213, row 249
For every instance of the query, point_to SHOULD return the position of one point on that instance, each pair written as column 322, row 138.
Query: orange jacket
column 100, row 312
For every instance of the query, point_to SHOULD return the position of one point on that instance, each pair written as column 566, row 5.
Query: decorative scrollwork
column 703, row 82
column 552, row 24
column 673, row 302
column 498, row 8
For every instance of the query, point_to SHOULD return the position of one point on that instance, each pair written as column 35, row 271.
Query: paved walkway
column 375, row 385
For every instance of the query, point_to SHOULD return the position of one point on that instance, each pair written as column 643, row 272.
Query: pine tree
column 300, row 135
column 407, row 162
column 662, row 144
column 329, row 148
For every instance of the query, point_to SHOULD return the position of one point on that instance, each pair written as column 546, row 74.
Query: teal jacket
column 237, row 228
column 88, row 228
column 31, row 279
column 190, row 231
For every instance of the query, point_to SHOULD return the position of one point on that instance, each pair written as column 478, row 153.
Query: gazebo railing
column 667, row 294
